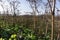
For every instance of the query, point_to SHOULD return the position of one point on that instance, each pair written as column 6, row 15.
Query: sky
column 25, row 7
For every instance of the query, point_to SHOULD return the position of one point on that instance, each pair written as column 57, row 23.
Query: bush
column 17, row 32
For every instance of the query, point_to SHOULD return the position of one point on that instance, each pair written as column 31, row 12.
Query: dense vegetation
column 29, row 20
column 23, row 29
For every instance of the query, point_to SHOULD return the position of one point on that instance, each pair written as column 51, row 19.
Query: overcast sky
column 25, row 7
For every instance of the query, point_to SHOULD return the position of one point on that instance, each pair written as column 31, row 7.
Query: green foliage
column 8, row 32
column 16, row 32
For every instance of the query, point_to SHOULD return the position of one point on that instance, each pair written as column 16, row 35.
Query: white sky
column 25, row 7
column 1, row 8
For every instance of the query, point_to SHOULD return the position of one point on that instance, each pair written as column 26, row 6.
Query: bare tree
column 34, row 4
column 52, row 9
column 3, row 16
column 15, row 4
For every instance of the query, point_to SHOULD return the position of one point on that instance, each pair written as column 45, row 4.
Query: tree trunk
column 46, row 28
column 52, row 30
